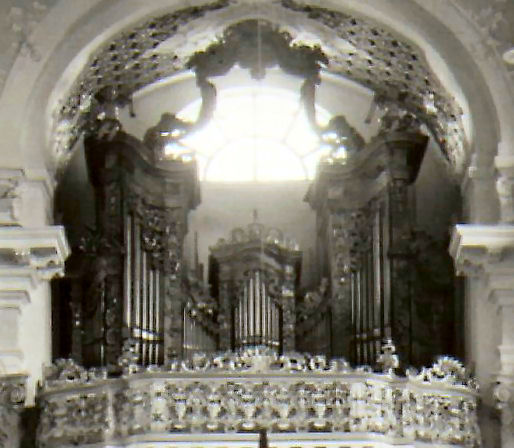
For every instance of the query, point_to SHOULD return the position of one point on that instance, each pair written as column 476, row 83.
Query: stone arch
column 33, row 87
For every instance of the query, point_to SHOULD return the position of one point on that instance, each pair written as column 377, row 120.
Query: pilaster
column 29, row 259
column 31, row 254
column 485, row 254
column 479, row 193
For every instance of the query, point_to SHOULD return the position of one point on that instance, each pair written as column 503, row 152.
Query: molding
column 477, row 249
column 11, row 298
column 487, row 252
column 30, row 255
column 257, row 389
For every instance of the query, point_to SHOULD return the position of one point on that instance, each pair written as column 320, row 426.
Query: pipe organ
column 197, row 338
column 256, row 315
column 373, row 280
column 363, row 209
column 132, row 261
column 199, row 328
column 255, row 276
column 370, row 244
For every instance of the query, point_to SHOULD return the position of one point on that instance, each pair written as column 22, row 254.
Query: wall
column 438, row 197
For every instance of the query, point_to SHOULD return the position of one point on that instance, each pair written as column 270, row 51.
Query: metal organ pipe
column 251, row 314
column 269, row 322
column 257, row 308
column 151, row 328
column 158, row 332
column 136, row 285
column 144, row 304
column 264, row 315
column 128, row 270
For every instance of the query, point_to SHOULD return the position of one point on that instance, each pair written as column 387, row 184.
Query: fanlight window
column 256, row 134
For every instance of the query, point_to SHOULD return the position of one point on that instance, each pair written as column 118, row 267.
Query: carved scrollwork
column 289, row 393
column 445, row 370
column 12, row 400
column 160, row 233
column 351, row 236
column 257, row 232
column 310, row 307
column 388, row 359
column 66, row 372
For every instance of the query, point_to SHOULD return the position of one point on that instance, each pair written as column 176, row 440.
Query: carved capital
column 483, row 250
column 33, row 254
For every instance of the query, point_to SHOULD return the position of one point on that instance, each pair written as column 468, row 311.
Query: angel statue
column 164, row 137
column 343, row 139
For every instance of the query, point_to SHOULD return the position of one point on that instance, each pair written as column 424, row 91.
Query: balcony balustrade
column 224, row 399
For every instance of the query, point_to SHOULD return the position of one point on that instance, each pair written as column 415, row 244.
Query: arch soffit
column 92, row 25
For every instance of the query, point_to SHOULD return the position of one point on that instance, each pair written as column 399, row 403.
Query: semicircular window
column 256, row 134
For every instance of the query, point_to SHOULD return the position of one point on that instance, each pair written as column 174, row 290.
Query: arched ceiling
column 357, row 48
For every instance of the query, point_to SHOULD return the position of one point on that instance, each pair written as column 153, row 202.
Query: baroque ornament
column 255, row 389
column 371, row 55
column 12, row 400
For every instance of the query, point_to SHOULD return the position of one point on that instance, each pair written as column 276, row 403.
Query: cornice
column 29, row 255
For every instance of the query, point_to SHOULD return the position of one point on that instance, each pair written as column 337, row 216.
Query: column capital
column 30, row 255
column 484, row 250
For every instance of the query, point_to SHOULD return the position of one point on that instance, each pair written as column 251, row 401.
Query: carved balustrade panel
column 258, row 389
column 12, row 401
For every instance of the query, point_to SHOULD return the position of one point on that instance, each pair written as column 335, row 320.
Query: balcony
column 225, row 399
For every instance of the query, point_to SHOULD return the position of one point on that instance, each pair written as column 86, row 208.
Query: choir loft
column 256, row 233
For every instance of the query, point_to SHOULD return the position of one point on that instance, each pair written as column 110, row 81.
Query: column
column 32, row 253
column 400, row 257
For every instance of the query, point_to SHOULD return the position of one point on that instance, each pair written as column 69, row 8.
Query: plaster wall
column 481, row 345
column 35, row 337
column 437, row 196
